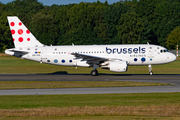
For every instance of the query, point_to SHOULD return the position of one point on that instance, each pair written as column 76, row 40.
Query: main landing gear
column 94, row 72
column 150, row 70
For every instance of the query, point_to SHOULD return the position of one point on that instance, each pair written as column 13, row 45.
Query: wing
column 89, row 58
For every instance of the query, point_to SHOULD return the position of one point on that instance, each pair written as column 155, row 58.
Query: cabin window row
column 80, row 52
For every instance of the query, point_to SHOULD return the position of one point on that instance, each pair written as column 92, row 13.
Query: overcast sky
column 64, row 2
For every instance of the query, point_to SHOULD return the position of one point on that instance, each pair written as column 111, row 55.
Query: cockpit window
column 163, row 51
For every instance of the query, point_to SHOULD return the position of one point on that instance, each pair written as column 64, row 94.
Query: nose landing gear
column 150, row 70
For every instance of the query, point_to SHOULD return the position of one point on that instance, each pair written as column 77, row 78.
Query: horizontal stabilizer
column 17, row 50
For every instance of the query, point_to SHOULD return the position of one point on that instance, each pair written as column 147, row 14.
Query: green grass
column 17, row 65
column 136, row 99
column 72, row 84
column 95, row 106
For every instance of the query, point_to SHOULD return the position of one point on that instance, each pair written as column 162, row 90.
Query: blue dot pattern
column 63, row 61
column 135, row 59
column 56, row 61
column 143, row 59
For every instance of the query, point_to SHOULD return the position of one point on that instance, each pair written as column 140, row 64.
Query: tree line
column 127, row 22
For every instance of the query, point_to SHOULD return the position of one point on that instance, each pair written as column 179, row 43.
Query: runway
column 85, row 77
column 174, row 80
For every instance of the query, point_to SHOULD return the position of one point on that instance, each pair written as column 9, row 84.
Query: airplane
column 115, row 58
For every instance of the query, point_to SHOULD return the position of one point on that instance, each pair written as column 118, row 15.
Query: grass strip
column 90, row 118
column 72, row 84
column 104, row 106
column 152, row 110
column 17, row 65
column 93, row 100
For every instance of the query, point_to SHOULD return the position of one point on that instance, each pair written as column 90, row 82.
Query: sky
column 64, row 2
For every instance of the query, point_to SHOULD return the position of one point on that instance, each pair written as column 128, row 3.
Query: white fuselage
column 140, row 54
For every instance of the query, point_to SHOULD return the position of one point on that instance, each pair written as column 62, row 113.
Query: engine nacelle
column 118, row 66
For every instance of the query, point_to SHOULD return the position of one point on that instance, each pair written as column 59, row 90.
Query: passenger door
column 44, row 53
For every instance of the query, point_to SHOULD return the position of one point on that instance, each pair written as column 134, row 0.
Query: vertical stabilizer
column 22, row 37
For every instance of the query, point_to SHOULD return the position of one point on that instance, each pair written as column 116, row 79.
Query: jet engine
column 116, row 66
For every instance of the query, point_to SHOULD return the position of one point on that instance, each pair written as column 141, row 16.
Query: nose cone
column 172, row 57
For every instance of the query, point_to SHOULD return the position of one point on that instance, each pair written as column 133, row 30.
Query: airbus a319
column 116, row 58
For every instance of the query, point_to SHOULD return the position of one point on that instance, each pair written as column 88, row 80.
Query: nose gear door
column 151, row 52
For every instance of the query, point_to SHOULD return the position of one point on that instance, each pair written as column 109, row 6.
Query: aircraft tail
column 22, row 37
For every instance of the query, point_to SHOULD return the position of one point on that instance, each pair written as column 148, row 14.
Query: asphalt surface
column 85, row 77
column 174, row 80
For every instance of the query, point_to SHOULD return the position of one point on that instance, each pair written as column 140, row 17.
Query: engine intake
column 117, row 66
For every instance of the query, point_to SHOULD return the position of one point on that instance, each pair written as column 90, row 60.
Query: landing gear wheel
column 151, row 73
column 94, row 72
column 150, row 70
